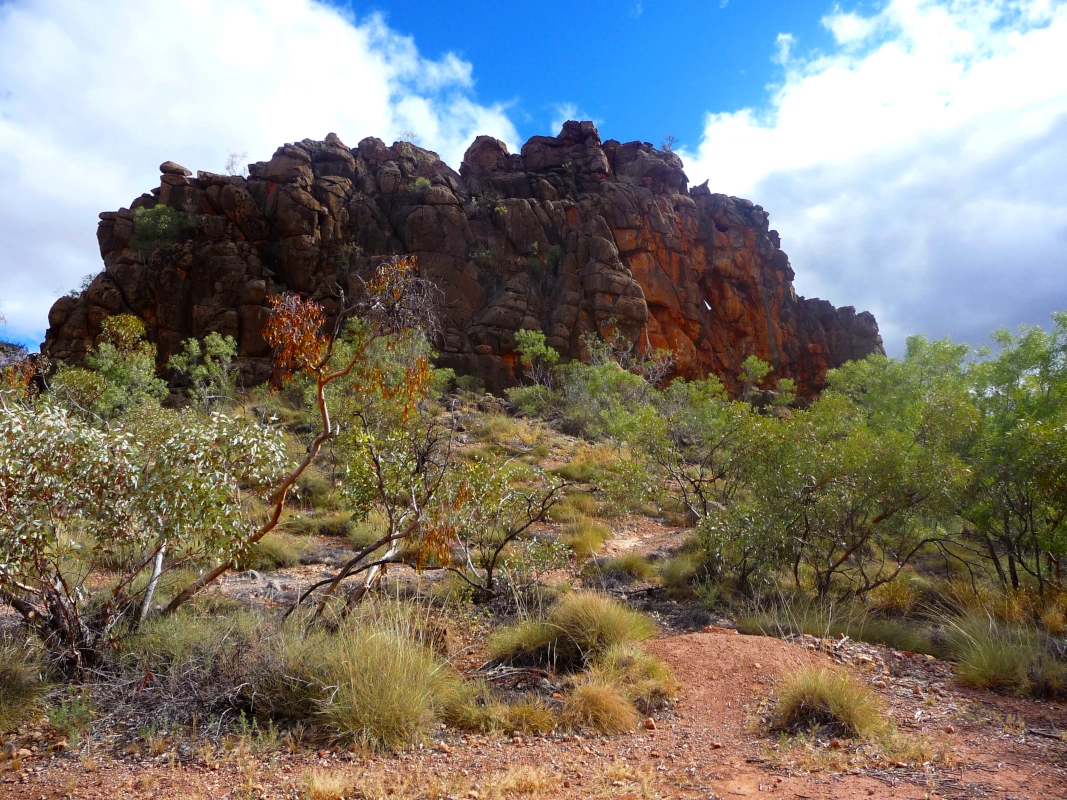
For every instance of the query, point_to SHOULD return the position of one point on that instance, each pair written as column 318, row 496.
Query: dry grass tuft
column 531, row 715
column 576, row 505
column 825, row 700
column 329, row 785
column 524, row 781
column 600, row 706
column 585, row 537
column 633, row 564
column 646, row 680
column 579, row 627
column 19, row 683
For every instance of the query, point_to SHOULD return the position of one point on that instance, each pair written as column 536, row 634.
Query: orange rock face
column 571, row 236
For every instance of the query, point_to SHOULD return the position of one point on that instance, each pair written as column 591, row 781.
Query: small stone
column 716, row 745
column 24, row 753
column 950, row 729
column 650, row 724
column 566, row 784
column 472, row 795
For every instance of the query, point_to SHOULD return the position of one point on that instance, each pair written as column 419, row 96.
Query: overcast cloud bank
column 918, row 170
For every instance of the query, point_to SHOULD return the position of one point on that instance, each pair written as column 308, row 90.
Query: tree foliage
column 72, row 494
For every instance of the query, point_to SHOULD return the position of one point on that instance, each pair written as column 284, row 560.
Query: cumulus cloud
column 94, row 96
column 918, row 168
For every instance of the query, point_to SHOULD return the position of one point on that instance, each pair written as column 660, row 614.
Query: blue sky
column 641, row 69
column 911, row 153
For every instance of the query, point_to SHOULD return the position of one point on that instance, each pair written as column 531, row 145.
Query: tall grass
column 801, row 615
column 376, row 680
column 384, row 688
column 1003, row 656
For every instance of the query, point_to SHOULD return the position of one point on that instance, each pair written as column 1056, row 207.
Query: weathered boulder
column 571, row 236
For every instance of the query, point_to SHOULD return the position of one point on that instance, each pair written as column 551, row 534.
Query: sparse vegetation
column 918, row 504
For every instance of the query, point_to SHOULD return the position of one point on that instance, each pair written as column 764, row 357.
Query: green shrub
column 420, row 186
column 72, row 715
column 821, row 699
column 156, row 227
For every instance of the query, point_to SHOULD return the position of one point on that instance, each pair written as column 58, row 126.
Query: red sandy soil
column 712, row 745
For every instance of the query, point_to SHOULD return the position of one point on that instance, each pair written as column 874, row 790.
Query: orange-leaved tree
column 394, row 311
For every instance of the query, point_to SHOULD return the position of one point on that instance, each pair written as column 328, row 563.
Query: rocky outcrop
column 571, row 235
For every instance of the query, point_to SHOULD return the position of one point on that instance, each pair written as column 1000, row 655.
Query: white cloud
column 919, row 169
column 568, row 111
column 94, row 96
column 783, row 47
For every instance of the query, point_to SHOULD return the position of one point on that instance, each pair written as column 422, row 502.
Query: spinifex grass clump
column 634, row 565
column 20, row 683
column 388, row 685
column 823, row 700
column 375, row 679
column 1004, row 656
column 585, row 537
column 645, row 680
column 600, row 705
column 576, row 630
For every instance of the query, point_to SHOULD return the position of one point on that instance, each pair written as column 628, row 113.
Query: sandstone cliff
column 569, row 236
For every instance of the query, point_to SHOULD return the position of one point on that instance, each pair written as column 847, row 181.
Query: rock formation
column 569, row 236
